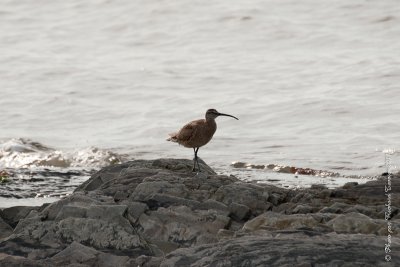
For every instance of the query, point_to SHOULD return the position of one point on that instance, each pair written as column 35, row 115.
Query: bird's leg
column 194, row 160
column 197, row 159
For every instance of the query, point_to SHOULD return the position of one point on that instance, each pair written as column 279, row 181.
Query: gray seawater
column 87, row 83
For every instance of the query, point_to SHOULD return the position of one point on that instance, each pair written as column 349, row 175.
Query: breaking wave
column 24, row 153
column 32, row 173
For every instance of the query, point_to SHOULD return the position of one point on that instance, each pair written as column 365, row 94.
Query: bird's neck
column 211, row 122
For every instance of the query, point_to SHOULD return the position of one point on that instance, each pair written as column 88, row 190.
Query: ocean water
column 84, row 84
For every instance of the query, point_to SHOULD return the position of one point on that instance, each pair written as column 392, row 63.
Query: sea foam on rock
column 159, row 213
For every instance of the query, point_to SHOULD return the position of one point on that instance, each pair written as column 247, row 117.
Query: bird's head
column 213, row 113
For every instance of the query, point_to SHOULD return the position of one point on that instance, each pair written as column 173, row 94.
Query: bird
column 198, row 133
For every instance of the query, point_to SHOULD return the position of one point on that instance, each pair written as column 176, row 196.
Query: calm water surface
column 85, row 84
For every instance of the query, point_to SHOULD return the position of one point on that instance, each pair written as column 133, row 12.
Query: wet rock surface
column 159, row 213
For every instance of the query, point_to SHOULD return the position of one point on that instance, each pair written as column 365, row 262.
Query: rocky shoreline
column 159, row 213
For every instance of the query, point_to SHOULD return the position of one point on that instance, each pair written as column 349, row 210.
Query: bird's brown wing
column 183, row 135
column 186, row 133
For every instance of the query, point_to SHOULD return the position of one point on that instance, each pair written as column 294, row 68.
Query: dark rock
column 370, row 211
column 106, row 212
column 76, row 200
column 12, row 215
column 349, row 185
column 73, row 211
column 146, row 190
column 358, row 223
column 77, row 253
column 278, row 221
column 158, row 212
column 104, row 175
column 146, row 261
column 250, row 195
column 121, row 195
column 211, row 204
column 302, row 208
column 135, row 210
column 8, row 260
column 286, row 208
column 181, row 165
column 336, row 207
column 370, row 193
column 225, row 234
column 180, row 225
column 5, row 229
column 239, row 212
column 290, row 249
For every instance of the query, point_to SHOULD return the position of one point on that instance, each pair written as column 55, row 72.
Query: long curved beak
column 223, row 114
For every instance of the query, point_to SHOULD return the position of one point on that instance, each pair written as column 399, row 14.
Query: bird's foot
column 197, row 171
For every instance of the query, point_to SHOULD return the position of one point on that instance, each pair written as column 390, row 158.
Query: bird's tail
column 172, row 137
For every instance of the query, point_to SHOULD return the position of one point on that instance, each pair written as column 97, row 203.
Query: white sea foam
column 23, row 153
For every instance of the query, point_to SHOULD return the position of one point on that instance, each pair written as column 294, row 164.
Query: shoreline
column 278, row 175
column 158, row 213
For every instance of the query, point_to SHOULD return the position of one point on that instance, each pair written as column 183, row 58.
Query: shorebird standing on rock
column 196, row 134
